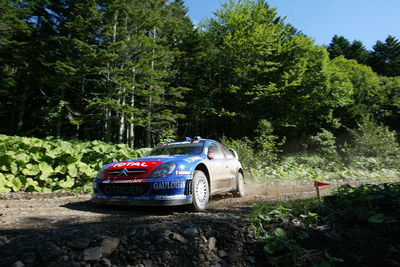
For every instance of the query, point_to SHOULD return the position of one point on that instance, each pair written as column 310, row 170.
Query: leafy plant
column 32, row 164
column 356, row 224
column 374, row 140
column 324, row 142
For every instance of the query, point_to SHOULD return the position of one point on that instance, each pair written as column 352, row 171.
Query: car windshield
column 178, row 149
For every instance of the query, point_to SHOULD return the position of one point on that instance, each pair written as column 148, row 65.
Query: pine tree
column 385, row 57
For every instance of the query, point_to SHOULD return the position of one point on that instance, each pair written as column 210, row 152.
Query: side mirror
column 235, row 154
column 211, row 155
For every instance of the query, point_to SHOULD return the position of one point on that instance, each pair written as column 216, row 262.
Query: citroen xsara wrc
column 185, row 172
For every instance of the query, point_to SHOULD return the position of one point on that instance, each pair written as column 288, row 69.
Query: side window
column 226, row 151
column 215, row 148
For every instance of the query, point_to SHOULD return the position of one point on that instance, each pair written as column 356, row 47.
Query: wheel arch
column 202, row 167
column 241, row 171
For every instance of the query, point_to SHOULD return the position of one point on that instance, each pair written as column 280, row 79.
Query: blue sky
column 363, row 20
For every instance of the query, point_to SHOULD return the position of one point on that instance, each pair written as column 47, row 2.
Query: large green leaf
column 25, row 158
column 5, row 185
column 72, row 170
column 31, row 169
column 17, row 184
column 52, row 153
column 31, row 185
column 46, row 170
column 61, row 169
column 72, row 159
column 67, row 183
column 14, row 168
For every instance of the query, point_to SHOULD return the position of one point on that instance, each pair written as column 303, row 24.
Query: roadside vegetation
column 354, row 226
column 54, row 165
column 370, row 152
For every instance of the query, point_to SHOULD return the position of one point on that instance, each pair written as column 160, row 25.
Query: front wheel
column 240, row 185
column 200, row 191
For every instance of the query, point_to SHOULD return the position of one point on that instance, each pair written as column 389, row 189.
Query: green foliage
column 139, row 72
column 308, row 232
column 324, row 143
column 31, row 164
column 266, row 143
column 385, row 57
column 91, row 69
column 258, row 153
column 376, row 142
column 364, row 204
column 340, row 46
column 245, row 150
column 279, row 227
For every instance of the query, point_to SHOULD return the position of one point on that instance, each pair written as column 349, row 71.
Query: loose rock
column 108, row 246
column 92, row 254
column 79, row 244
column 212, row 243
column 177, row 237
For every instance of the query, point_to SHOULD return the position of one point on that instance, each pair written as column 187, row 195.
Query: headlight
column 100, row 174
column 163, row 170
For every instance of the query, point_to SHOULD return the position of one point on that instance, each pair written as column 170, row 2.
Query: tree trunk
column 131, row 130
column 122, row 118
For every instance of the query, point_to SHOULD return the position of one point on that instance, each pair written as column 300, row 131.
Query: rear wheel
column 200, row 191
column 240, row 185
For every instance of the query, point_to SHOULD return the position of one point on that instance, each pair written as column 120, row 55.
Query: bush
column 257, row 153
column 31, row 164
column 374, row 147
column 324, row 143
column 266, row 143
column 244, row 148
column 374, row 140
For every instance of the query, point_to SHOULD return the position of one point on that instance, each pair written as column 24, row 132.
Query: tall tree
column 385, row 57
column 368, row 94
column 340, row 46
column 257, row 67
column 91, row 63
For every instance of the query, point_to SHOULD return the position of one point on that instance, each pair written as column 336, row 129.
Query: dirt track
column 40, row 229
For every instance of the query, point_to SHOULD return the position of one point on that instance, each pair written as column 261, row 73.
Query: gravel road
column 68, row 230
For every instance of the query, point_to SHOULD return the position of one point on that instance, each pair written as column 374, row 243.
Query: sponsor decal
column 161, row 156
column 127, row 181
column 123, row 190
column 169, row 185
column 177, row 143
column 130, row 164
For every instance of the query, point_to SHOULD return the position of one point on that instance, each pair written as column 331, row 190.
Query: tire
column 200, row 191
column 239, row 192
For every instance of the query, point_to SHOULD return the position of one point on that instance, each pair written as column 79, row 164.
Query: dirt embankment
column 67, row 230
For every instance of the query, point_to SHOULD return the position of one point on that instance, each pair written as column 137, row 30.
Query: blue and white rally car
column 184, row 172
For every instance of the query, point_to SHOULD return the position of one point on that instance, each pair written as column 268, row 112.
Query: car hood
column 143, row 167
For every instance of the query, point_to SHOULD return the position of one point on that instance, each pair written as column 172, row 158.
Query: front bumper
column 185, row 200
column 149, row 192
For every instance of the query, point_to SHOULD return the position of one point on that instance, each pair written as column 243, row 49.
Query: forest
column 140, row 72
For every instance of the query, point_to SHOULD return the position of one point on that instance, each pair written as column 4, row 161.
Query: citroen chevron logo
column 124, row 172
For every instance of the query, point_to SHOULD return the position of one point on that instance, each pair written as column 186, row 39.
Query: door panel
column 218, row 169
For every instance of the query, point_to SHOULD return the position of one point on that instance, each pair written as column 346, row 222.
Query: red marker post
column 317, row 185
